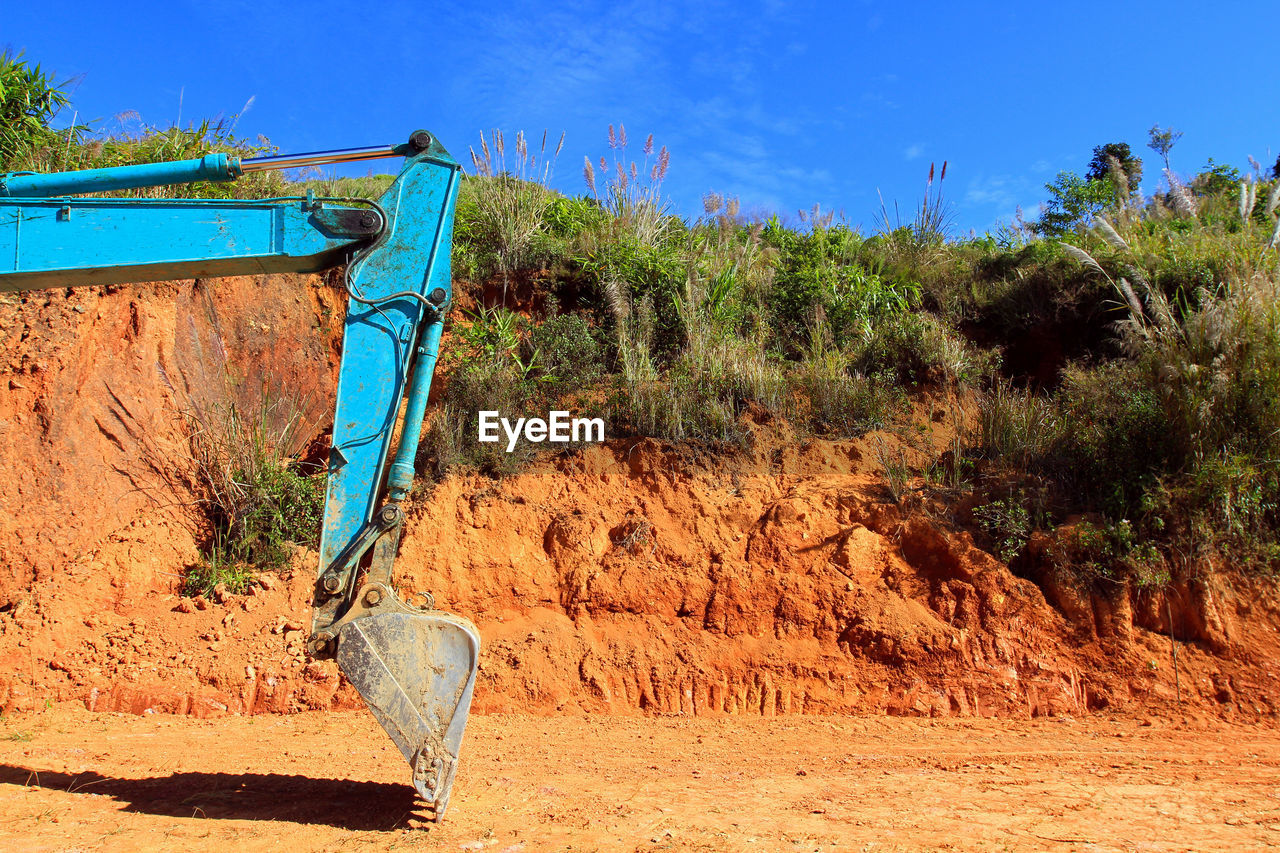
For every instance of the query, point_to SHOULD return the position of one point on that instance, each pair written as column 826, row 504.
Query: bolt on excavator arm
column 414, row 666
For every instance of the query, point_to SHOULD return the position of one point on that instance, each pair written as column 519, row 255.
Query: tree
column 1216, row 178
column 1073, row 199
column 1160, row 141
column 1100, row 167
column 1275, row 170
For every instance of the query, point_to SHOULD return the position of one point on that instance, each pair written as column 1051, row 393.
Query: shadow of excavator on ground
column 345, row 804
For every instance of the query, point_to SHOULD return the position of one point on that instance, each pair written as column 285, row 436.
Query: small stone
column 250, row 673
column 200, row 602
column 267, row 581
column 15, row 385
column 185, row 606
column 293, row 625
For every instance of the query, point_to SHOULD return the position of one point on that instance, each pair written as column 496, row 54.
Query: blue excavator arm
column 414, row 666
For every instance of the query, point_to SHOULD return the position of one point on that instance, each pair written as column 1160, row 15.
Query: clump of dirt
column 631, row 577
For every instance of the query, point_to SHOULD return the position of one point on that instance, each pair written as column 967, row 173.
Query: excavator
column 414, row 666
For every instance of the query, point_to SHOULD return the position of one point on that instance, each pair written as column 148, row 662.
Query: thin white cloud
column 996, row 190
column 912, row 152
column 1002, row 196
column 709, row 105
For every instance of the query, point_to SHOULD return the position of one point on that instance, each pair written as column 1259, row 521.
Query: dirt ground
column 761, row 650
column 71, row 779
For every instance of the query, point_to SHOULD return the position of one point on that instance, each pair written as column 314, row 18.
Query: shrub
column 255, row 500
column 1234, row 499
column 1073, row 200
column 626, row 271
column 1215, row 178
column 571, row 217
column 1109, row 551
column 1008, row 524
column 701, row 395
column 818, row 273
column 917, row 348
column 1114, row 440
column 452, row 439
column 566, row 351
column 518, row 369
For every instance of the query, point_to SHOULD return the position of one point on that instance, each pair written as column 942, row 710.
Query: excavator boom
column 414, row 666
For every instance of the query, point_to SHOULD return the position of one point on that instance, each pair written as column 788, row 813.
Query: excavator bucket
column 416, row 672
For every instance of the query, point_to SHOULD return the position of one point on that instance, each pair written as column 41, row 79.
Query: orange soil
column 74, row 780
column 628, row 579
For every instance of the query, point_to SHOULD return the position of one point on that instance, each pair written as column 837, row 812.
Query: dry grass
column 631, row 191
column 256, row 503
column 507, row 203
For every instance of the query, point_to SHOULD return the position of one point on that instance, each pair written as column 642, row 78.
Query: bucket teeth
column 416, row 672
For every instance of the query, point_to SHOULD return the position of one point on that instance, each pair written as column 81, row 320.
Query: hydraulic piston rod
column 211, row 167
column 316, row 158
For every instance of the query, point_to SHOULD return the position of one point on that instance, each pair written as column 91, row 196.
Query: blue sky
column 782, row 104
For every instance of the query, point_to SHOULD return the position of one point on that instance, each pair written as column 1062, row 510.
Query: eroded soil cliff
column 631, row 577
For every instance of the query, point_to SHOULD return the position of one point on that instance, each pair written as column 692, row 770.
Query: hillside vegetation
column 1112, row 370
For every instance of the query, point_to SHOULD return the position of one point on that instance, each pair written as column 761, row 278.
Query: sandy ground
column 75, row 780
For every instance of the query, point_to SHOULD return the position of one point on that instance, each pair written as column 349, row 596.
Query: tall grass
column 503, row 207
column 921, row 241
column 256, row 499
column 631, row 191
